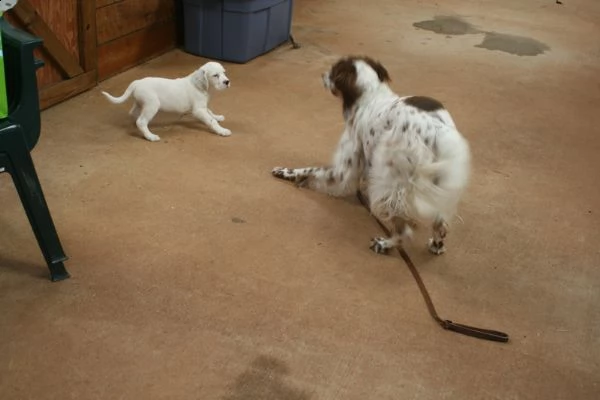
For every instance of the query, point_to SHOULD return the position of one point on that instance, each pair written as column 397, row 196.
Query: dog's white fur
column 414, row 162
column 189, row 94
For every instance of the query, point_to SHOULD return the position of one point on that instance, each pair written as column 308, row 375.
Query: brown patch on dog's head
column 382, row 73
column 343, row 81
column 424, row 103
column 343, row 78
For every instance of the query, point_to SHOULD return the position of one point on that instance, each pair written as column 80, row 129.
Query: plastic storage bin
column 235, row 30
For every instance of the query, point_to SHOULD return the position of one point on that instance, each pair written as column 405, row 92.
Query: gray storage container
column 235, row 30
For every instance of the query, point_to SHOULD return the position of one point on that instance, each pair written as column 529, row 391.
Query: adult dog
column 405, row 151
column 181, row 95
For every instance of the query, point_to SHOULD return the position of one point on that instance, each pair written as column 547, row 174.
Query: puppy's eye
column 216, row 75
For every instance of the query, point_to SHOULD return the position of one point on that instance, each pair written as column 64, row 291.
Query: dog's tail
column 417, row 184
column 123, row 98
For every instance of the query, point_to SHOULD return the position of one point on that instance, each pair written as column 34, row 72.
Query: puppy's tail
column 123, row 98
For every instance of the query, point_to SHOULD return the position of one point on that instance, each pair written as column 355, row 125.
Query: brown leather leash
column 486, row 334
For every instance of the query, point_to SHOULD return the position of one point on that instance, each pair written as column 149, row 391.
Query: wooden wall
column 86, row 41
column 130, row 32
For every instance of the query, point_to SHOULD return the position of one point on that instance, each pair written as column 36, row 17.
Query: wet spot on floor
column 511, row 44
column 517, row 45
column 238, row 220
column 447, row 25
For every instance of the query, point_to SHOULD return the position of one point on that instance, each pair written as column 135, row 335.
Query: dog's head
column 211, row 74
column 352, row 76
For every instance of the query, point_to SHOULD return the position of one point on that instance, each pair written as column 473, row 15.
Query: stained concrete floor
column 198, row 276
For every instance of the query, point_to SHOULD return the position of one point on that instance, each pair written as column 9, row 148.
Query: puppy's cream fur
column 189, row 94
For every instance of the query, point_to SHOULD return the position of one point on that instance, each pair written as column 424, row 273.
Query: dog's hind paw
column 152, row 138
column 224, row 132
column 436, row 248
column 379, row 245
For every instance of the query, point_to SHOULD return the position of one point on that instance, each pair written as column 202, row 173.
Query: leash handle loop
column 486, row 334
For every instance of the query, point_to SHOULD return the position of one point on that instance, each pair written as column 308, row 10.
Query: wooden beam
column 34, row 23
column 104, row 3
column 88, row 45
column 64, row 90
column 123, row 18
column 134, row 49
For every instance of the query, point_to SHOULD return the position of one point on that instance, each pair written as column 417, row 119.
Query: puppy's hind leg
column 401, row 231
column 436, row 242
column 135, row 110
column 219, row 118
column 148, row 112
column 203, row 115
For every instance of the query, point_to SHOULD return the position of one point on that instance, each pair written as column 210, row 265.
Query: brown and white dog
column 405, row 151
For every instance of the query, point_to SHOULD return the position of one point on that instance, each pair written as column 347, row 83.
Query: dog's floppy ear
column 200, row 79
column 379, row 69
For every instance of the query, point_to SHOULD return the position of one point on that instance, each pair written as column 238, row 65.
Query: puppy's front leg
column 339, row 179
column 219, row 118
column 203, row 115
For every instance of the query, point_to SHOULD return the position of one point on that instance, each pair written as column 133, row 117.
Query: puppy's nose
column 227, row 82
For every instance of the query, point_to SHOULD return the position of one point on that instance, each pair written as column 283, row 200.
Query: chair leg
column 33, row 200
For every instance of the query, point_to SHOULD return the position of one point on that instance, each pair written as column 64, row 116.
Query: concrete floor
column 196, row 275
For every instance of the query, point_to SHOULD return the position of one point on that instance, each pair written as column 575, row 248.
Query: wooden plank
column 104, row 3
column 64, row 90
column 125, row 17
column 34, row 23
column 134, row 49
column 88, row 48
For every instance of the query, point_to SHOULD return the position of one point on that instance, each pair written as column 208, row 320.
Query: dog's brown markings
column 434, row 147
column 377, row 67
column 388, row 124
column 343, row 76
column 424, row 103
column 330, row 179
column 405, row 126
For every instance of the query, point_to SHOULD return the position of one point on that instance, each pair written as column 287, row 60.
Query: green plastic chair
column 19, row 133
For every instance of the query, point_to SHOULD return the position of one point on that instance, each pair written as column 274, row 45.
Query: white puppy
column 182, row 95
column 407, row 151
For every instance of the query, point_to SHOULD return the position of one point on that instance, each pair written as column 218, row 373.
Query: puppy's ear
column 379, row 69
column 200, row 79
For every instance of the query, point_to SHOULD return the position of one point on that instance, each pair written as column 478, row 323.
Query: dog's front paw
column 224, row 132
column 220, row 118
column 436, row 248
column 283, row 173
column 379, row 245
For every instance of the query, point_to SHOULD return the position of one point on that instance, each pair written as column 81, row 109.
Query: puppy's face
column 351, row 76
column 213, row 74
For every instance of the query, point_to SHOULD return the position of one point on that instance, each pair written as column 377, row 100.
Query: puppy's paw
column 379, row 245
column 152, row 138
column 224, row 132
column 220, row 118
column 436, row 248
